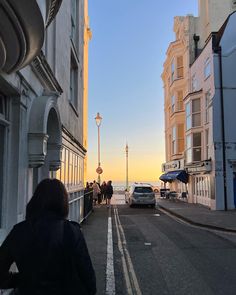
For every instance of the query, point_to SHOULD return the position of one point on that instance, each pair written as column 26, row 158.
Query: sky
column 126, row 56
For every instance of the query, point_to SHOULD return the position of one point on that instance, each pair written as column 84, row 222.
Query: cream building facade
column 43, row 101
column 192, row 169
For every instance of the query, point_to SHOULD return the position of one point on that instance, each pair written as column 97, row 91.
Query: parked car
column 140, row 194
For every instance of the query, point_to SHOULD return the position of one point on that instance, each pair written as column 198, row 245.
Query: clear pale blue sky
column 126, row 56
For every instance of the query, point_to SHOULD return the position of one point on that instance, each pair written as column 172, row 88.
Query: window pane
column 196, row 107
column 194, row 83
column 189, row 156
column 188, row 123
column 188, row 142
column 188, row 109
column 196, row 120
column 173, row 104
column 196, row 139
column 174, row 132
column 207, row 68
column 197, row 154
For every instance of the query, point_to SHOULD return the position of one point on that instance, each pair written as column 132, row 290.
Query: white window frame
column 192, row 113
column 190, row 148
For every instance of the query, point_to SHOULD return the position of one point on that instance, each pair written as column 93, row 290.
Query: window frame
column 180, row 68
column 74, row 71
column 192, row 114
column 174, row 140
column 207, row 68
column 190, row 147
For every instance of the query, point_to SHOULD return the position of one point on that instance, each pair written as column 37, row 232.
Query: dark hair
column 50, row 196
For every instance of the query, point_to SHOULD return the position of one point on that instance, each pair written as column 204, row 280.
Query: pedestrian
column 109, row 192
column 96, row 191
column 103, row 191
column 87, row 186
column 99, row 193
column 49, row 251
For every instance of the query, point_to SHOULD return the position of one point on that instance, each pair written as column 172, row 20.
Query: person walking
column 96, row 191
column 109, row 192
column 103, row 191
column 49, row 251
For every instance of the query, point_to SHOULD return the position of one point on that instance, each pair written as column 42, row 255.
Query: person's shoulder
column 20, row 225
column 73, row 224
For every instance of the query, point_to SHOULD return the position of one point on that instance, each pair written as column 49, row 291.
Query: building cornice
column 45, row 74
column 79, row 145
column 53, row 8
column 192, row 94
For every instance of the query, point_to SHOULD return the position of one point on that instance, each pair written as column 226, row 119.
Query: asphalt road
column 155, row 254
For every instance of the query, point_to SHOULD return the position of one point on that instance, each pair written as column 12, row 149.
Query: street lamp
column 99, row 170
column 127, row 171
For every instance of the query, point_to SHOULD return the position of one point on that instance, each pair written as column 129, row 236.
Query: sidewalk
column 199, row 215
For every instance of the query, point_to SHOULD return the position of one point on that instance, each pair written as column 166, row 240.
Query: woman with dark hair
column 49, row 251
column 109, row 192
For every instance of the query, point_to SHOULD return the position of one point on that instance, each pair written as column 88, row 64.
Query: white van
column 140, row 194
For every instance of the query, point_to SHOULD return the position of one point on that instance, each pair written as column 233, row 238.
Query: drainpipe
column 218, row 50
column 196, row 40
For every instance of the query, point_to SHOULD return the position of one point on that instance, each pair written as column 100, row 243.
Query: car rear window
column 143, row 190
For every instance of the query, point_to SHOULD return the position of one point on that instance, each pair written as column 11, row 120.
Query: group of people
column 101, row 193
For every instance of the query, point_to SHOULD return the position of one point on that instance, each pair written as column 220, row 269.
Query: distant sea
column 123, row 183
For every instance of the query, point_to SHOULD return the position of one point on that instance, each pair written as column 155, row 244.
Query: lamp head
column 98, row 119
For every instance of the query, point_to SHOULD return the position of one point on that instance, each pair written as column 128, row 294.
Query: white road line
column 110, row 277
column 124, row 265
column 128, row 266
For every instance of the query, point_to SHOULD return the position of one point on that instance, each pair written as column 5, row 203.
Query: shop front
column 200, row 186
column 175, row 177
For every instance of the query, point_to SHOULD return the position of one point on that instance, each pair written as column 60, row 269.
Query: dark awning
column 180, row 175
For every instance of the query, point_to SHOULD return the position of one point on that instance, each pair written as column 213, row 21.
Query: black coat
column 51, row 256
column 109, row 190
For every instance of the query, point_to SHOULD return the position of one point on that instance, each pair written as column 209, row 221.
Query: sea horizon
column 123, row 183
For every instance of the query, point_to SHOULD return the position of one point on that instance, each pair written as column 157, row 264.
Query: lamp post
column 99, row 170
column 127, row 171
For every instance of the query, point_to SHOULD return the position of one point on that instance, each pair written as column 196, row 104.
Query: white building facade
column 41, row 103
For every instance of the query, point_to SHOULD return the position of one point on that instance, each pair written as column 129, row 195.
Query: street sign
column 99, row 170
